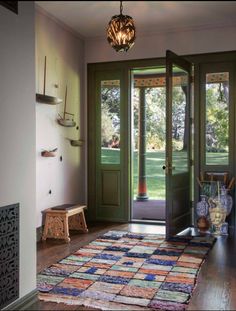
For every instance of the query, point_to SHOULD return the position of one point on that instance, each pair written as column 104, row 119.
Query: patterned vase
column 226, row 200
column 202, row 206
column 217, row 216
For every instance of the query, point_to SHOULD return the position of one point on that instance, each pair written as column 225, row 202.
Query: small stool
column 61, row 218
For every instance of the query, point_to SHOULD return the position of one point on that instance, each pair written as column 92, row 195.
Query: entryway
column 148, row 145
column 115, row 183
column 112, row 154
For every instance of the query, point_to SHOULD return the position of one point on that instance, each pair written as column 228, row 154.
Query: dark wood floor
column 216, row 287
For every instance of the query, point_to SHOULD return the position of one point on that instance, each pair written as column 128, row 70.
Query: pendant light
column 121, row 31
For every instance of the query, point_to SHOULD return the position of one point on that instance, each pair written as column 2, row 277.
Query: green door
column 178, row 181
column 108, row 171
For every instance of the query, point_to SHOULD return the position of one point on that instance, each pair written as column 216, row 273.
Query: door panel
column 178, row 212
column 110, row 188
column 110, row 176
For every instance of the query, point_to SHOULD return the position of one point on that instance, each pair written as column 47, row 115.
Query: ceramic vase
column 217, row 215
column 202, row 206
column 226, row 200
column 203, row 224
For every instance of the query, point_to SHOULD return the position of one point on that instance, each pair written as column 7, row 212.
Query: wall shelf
column 46, row 99
column 49, row 153
column 66, row 122
column 76, row 143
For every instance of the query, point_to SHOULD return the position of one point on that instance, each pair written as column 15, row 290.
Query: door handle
column 168, row 167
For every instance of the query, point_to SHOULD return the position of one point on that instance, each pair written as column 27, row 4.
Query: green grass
column 217, row 158
column 110, row 156
column 154, row 172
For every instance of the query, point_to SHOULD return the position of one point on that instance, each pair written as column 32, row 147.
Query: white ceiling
column 90, row 18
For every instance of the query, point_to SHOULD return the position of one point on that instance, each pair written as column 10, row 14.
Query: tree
column 179, row 130
column 110, row 114
column 217, row 117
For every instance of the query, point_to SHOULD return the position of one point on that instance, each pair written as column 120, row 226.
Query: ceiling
column 90, row 18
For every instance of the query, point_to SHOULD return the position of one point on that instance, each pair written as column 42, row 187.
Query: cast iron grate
column 9, row 254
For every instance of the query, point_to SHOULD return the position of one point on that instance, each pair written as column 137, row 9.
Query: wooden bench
column 59, row 219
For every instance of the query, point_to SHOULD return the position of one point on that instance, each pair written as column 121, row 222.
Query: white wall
column 65, row 61
column 17, row 130
column 190, row 41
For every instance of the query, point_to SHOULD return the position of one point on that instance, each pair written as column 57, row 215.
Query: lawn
column 154, row 172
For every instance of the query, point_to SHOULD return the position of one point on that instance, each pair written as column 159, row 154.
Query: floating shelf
column 76, row 143
column 66, row 122
column 46, row 99
column 49, row 153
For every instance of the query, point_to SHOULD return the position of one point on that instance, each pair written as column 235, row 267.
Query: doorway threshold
column 148, row 221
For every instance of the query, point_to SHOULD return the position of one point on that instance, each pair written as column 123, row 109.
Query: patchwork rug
column 127, row 271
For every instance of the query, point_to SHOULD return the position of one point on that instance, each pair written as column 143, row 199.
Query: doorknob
column 168, row 167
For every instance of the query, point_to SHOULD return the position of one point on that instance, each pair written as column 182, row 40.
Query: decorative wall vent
column 9, row 254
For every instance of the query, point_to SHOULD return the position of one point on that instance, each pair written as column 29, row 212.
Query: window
column 110, row 122
column 217, row 118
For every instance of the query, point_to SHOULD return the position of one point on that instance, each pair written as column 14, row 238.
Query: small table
column 60, row 219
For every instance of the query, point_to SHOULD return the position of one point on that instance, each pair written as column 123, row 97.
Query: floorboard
column 216, row 287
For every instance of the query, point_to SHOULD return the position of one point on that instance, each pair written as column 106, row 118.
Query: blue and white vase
column 226, row 200
column 202, row 207
column 224, row 228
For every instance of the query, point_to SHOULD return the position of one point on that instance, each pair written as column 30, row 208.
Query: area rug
column 127, row 271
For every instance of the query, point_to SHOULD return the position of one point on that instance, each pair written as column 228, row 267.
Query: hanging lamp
column 121, row 31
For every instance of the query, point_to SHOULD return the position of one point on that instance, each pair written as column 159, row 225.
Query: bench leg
column 82, row 221
column 46, row 228
column 78, row 222
column 56, row 226
column 66, row 229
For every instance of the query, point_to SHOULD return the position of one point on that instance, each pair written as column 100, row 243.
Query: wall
column 65, row 61
column 17, row 130
column 192, row 41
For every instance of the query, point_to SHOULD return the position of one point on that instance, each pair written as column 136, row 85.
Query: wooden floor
column 216, row 287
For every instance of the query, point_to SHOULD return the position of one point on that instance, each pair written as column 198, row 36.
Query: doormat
column 127, row 271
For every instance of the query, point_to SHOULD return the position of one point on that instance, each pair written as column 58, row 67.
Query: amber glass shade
column 121, row 32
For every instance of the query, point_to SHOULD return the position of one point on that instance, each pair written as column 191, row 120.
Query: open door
column 177, row 168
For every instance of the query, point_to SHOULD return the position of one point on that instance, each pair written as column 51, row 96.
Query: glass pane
column 217, row 118
column 179, row 126
column 110, row 122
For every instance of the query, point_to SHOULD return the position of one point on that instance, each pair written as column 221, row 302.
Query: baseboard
column 39, row 232
column 24, row 302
